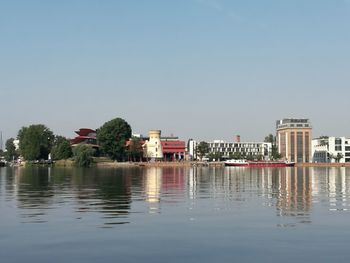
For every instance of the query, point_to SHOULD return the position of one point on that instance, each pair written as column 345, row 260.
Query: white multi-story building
column 227, row 149
column 191, row 149
column 331, row 149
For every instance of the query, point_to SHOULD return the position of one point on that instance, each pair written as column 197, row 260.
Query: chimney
column 238, row 138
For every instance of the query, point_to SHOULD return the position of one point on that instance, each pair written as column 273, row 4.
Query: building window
column 292, row 146
column 338, row 148
column 299, row 147
column 337, row 141
column 307, row 147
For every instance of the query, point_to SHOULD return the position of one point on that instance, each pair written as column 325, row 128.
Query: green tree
column 275, row 155
column 11, row 153
column 135, row 151
column 330, row 157
column 338, row 157
column 250, row 157
column 270, row 138
column 236, row 156
column 83, row 155
column 61, row 148
column 202, row 149
column 217, row 156
column 112, row 137
column 35, row 141
column 259, row 157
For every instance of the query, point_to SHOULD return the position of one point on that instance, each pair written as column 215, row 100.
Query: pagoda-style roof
column 86, row 132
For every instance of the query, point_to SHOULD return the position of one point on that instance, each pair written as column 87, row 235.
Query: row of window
column 234, row 150
column 236, row 145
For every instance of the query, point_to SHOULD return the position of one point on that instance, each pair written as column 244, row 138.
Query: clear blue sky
column 203, row 69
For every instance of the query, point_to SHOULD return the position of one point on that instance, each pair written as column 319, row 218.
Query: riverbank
column 159, row 164
column 107, row 163
column 322, row 165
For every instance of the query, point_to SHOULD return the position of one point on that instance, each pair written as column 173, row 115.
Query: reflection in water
column 115, row 194
column 153, row 181
column 335, row 185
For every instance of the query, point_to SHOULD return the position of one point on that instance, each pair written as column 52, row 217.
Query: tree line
column 37, row 142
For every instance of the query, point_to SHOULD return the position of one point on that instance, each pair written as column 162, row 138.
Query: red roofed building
column 173, row 149
column 85, row 136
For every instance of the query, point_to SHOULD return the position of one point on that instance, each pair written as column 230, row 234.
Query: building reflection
column 112, row 193
column 152, row 188
column 336, row 185
column 289, row 190
column 294, row 195
column 163, row 185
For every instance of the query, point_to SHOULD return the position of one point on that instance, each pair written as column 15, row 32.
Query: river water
column 174, row 215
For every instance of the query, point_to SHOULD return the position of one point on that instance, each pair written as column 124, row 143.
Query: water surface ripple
column 174, row 214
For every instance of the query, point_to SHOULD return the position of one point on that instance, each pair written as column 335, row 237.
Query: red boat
column 245, row 163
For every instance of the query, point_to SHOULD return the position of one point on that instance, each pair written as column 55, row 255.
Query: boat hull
column 260, row 164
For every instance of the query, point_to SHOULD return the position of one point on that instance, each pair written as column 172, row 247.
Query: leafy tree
column 275, row 155
column 83, row 154
column 338, row 157
column 259, row 157
column 236, row 156
column 217, row 156
column 330, row 157
column 202, row 149
column 112, row 136
column 250, row 157
column 35, row 141
column 135, row 150
column 11, row 153
column 61, row 148
column 270, row 138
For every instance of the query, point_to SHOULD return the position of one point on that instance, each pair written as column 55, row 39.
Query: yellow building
column 294, row 139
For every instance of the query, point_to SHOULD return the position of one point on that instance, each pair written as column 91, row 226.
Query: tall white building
column 153, row 146
column 330, row 149
column 192, row 149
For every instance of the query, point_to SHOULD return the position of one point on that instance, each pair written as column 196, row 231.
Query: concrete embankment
column 159, row 164
column 322, row 164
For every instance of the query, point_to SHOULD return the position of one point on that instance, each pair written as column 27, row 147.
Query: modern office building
column 228, row 149
column 294, row 139
column 245, row 149
column 331, row 149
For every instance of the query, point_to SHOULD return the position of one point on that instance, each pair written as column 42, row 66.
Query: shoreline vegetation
column 108, row 163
